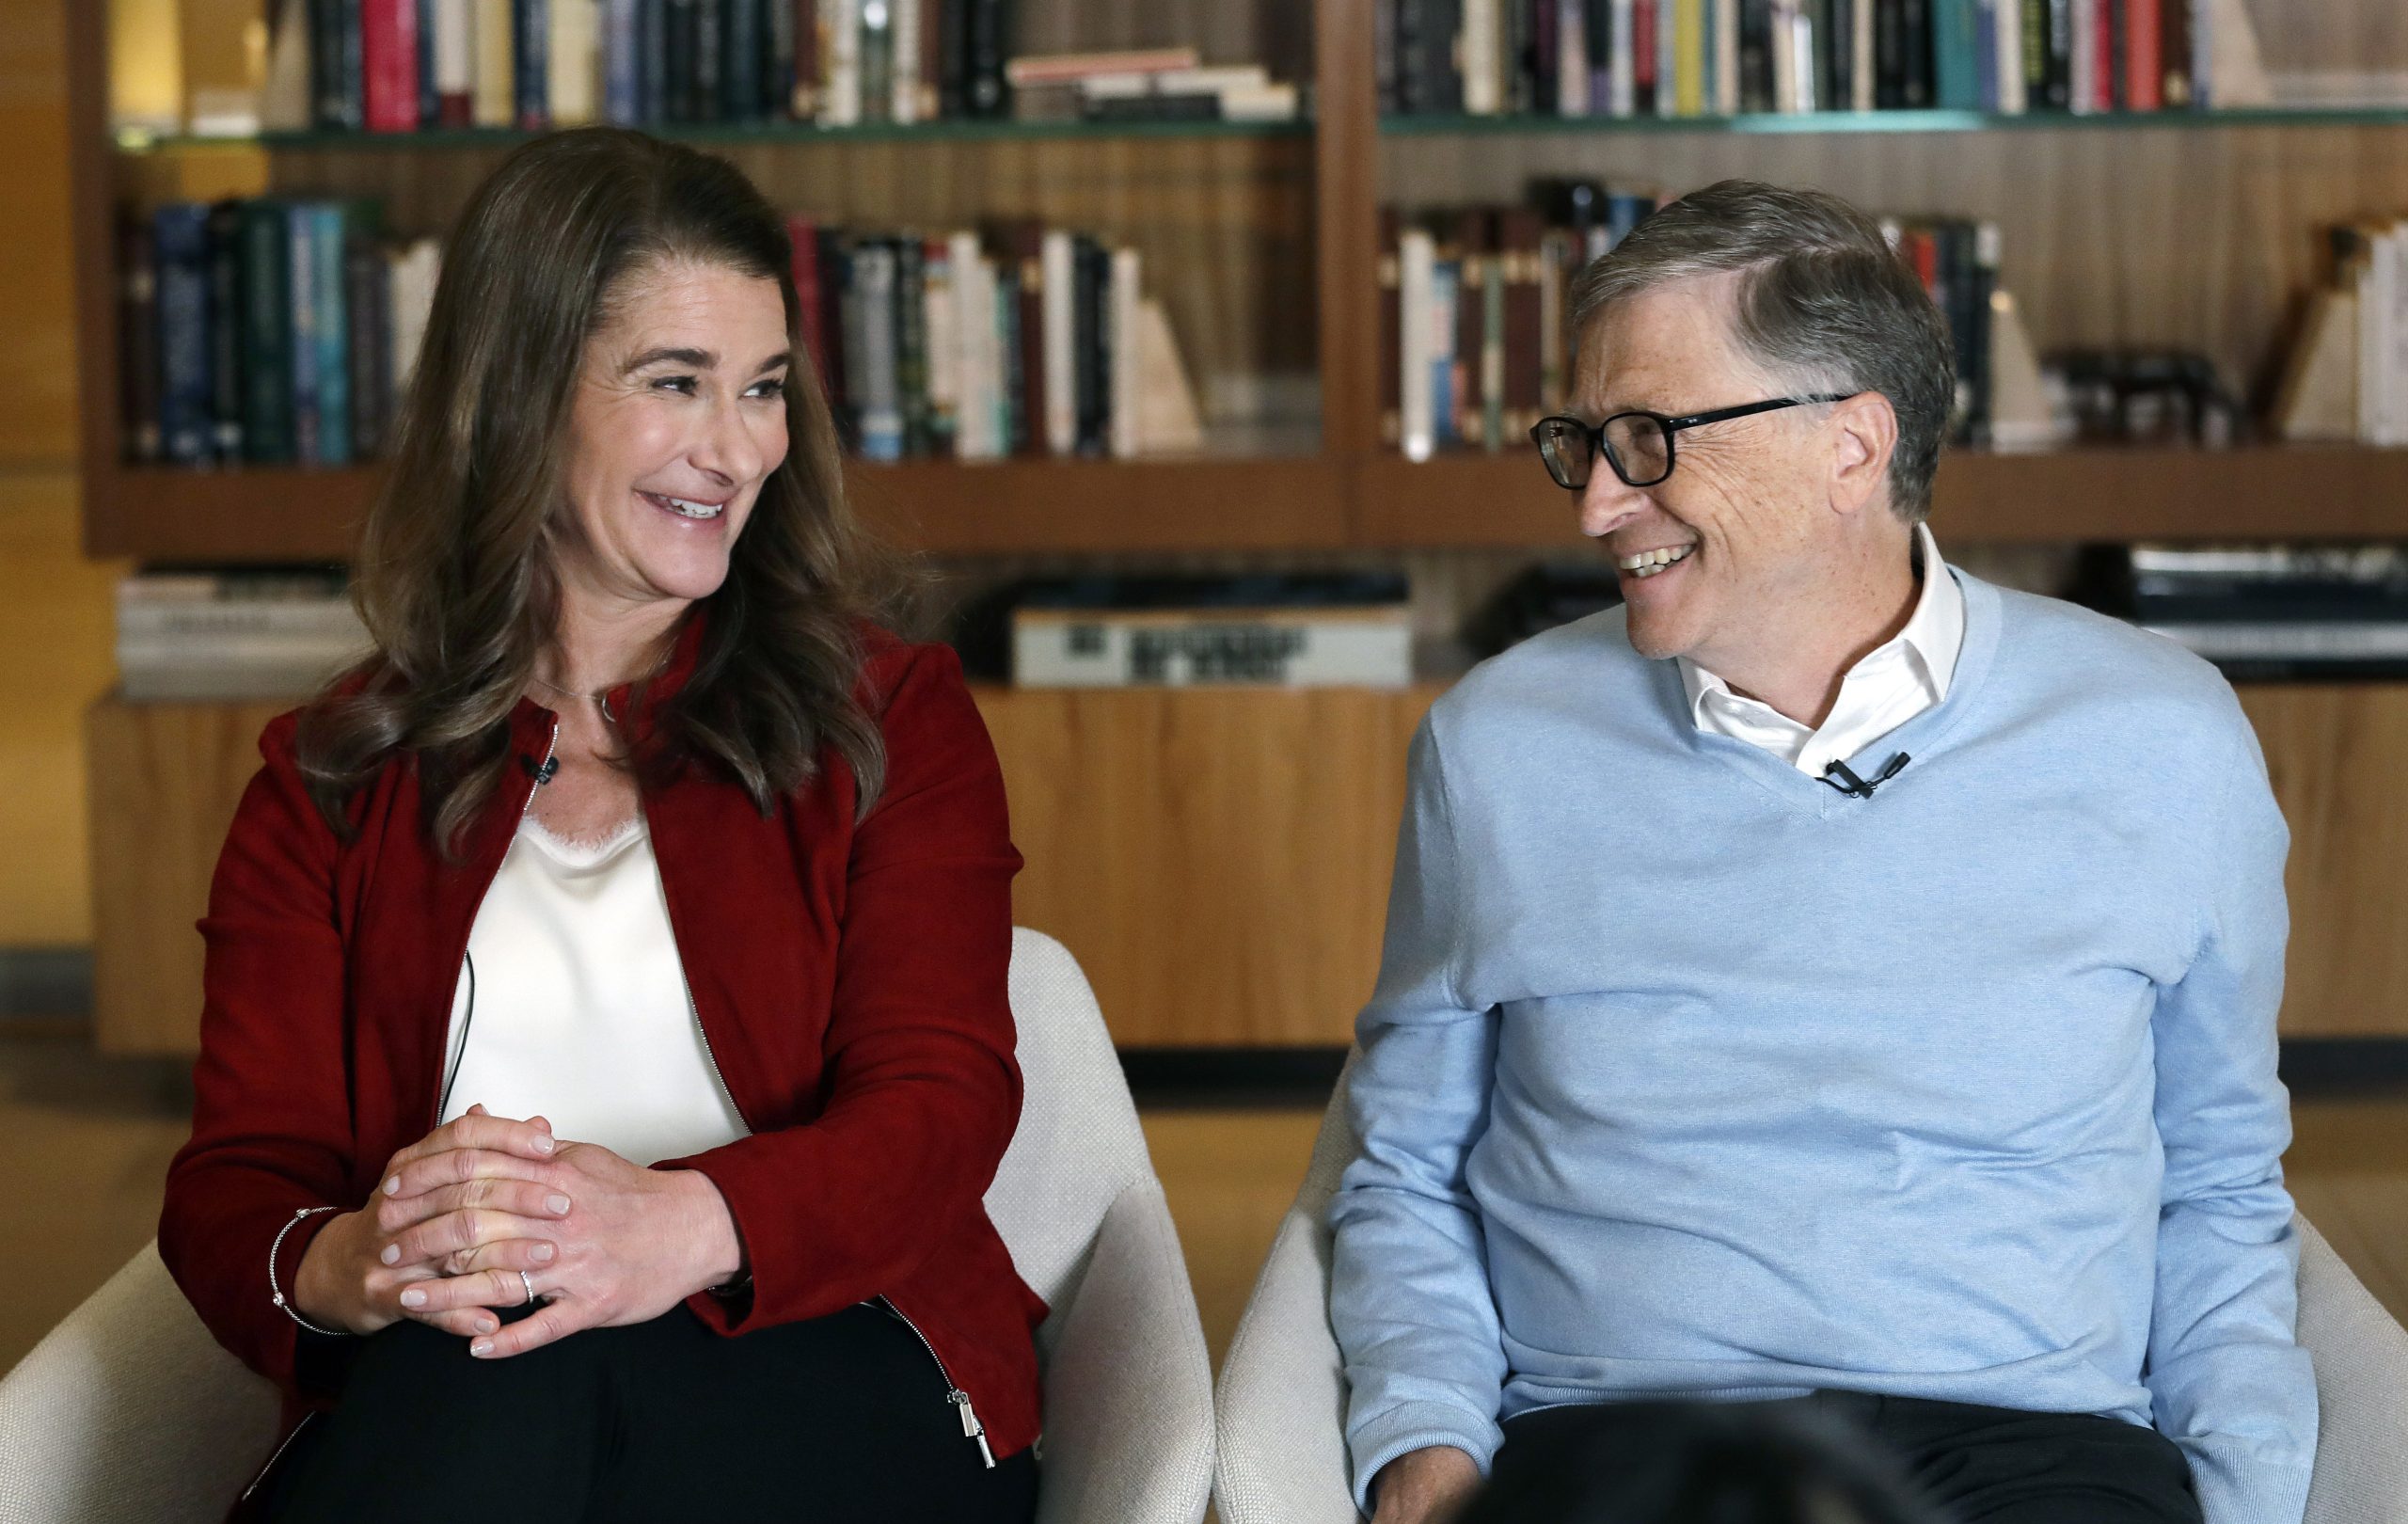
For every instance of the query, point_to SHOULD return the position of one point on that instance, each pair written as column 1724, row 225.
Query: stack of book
column 2279, row 610
column 1474, row 345
column 1152, row 85
column 401, row 66
column 1029, row 340
column 1277, row 630
column 1472, row 304
column 267, row 330
column 220, row 637
column 1722, row 57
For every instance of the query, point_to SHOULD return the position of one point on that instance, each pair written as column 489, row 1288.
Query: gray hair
column 1824, row 302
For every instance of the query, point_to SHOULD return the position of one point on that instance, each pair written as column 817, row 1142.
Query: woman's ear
column 1865, row 436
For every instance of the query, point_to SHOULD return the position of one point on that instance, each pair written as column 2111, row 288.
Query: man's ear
column 1864, row 435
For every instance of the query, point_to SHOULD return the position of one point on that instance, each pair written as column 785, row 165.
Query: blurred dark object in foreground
column 1550, row 594
column 2147, row 397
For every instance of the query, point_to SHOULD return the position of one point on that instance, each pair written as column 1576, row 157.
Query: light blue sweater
column 1687, row 1075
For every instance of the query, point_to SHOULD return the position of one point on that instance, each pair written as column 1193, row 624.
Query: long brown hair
column 454, row 578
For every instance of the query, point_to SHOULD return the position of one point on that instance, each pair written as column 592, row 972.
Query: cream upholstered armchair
column 1282, row 1399
column 128, row 1410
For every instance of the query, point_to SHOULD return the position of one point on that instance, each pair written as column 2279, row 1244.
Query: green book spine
column 267, row 334
column 332, row 335
column 1956, row 55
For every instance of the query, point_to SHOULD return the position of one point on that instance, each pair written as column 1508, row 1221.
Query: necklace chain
column 568, row 692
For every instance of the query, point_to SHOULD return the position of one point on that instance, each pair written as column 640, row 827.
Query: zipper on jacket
column 971, row 1427
column 551, row 745
column 709, row 1057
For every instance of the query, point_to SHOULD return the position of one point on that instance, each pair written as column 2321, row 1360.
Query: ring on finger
column 531, row 1288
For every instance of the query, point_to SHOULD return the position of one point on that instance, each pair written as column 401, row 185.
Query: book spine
column 572, row 59
column 1060, row 334
column 1757, row 87
column 301, row 259
column 1572, row 59
column 367, row 352
column 1123, row 375
column 1094, row 346
column 179, row 277
column 1482, row 95
column 1622, row 59
column 138, row 338
column 953, row 58
column 1273, row 650
column 388, row 55
column 623, row 63
column 1470, row 413
column 841, row 36
column 1955, row 41
column 2082, row 87
column 875, row 22
column 497, row 93
column 678, row 32
column 908, row 317
column 2111, row 95
column 1545, row 23
column 328, row 328
column 1786, row 23
column 1667, row 60
column 2007, row 55
column 2174, row 53
column 1492, row 352
column 1691, row 42
column 989, row 32
column 837, row 332
column 336, row 65
column 267, row 342
column 1391, row 334
column 1728, row 75
column 930, row 25
column 971, row 329
column 881, row 408
column 708, row 60
column 903, row 72
column 2144, row 62
column 1446, row 355
column 530, row 37
column 1645, row 54
column 226, row 320
column 1417, row 267
column 802, row 268
column 455, row 73
column 743, row 29
column 430, row 99
column 1521, row 391
column 941, row 348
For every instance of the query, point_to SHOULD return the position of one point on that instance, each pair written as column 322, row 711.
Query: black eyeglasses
column 1639, row 445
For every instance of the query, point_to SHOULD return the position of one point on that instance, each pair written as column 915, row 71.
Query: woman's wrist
column 719, row 1261
column 314, row 1294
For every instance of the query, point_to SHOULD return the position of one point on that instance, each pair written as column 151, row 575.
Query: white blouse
column 572, row 1003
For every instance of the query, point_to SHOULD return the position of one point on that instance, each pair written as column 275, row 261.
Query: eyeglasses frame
column 1670, row 428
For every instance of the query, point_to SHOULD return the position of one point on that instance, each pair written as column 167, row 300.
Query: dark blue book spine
column 180, row 236
column 531, row 42
column 742, row 32
column 652, row 30
column 267, row 334
column 327, row 287
column 622, row 63
column 711, row 60
column 430, row 100
column 339, row 101
column 226, row 320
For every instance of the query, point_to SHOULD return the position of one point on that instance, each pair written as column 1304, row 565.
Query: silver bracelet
column 276, row 1294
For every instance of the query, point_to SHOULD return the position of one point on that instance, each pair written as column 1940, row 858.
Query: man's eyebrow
column 700, row 359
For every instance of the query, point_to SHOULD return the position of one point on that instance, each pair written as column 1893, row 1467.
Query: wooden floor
column 85, row 1142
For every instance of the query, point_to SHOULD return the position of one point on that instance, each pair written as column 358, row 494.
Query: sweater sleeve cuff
column 1411, row 1426
column 2236, row 1488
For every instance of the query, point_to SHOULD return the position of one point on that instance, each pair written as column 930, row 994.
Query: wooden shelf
column 1210, row 503
column 2261, row 492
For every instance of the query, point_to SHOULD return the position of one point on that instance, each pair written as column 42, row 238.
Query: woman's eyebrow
column 700, row 359
column 777, row 362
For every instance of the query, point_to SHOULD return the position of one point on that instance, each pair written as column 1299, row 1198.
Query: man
column 1828, row 978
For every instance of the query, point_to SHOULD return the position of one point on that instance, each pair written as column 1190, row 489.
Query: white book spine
column 881, row 403
column 1625, row 77
column 1273, row 650
column 1061, row 345
column 1127, row 441
column 905, row 73
column 574, row 61
column 2395, row 355
column 1572, row 59
column 491, row 106
column 840, row 45
column 1484, row 93
column 2006, row 17
column 1859, row 45
column 2081, row 77
column 1726, row 55
column 455, row 28
column 1784, row 56
column 1415, row 254
column 967, row 328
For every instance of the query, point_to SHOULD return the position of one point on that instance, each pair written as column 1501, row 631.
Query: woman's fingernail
column 482, row 1347
column 413, row 1297
column 541, row 1254
column 392, row 1254
column 393, row 1186
column 544, row 1144
column 486, row 1325
column 558, row 1203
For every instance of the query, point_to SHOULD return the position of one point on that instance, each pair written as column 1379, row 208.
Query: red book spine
column 389, row 64
column 1643, row 50
column 804, row 234
column 2102, row 75
column 2143, row 72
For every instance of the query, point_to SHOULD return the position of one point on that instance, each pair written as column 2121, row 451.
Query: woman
column 606, row 1046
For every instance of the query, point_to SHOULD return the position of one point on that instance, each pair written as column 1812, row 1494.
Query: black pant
column 1968, row 1463
column 837, row 1420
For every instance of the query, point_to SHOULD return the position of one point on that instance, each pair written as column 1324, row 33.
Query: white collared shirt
column 1894, row 683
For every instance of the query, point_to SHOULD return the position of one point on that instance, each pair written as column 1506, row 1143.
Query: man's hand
column 1424, row 1487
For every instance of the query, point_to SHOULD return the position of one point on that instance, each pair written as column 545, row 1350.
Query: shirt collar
column 1934, row 634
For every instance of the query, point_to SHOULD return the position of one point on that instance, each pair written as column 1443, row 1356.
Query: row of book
column 400, row 66
column 1723, row 57
column 1028, row 340
column 2273, row 611
column 267, row 330
column 1474, row 347
column 222, row 637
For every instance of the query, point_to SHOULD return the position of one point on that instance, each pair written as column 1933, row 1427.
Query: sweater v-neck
column 1920, row 738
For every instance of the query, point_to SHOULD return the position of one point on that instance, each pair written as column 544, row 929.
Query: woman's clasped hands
column 463, row 1212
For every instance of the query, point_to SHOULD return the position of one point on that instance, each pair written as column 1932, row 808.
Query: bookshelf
column 2169, row 227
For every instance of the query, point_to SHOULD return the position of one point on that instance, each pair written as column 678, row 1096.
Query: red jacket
column 849, row 980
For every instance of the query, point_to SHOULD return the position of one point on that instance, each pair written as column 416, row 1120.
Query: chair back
column 1078, row 1145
